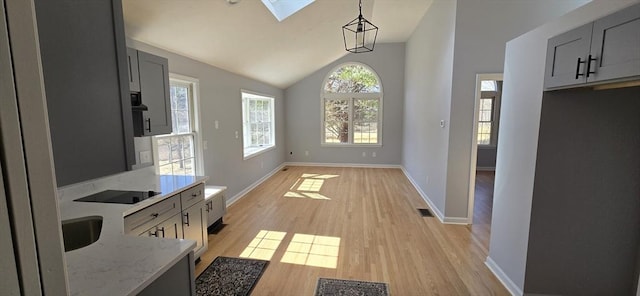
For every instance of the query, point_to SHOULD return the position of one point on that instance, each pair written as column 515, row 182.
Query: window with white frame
column 176, row 153
column 487, row 113
column 352, row 107
column 258, row 124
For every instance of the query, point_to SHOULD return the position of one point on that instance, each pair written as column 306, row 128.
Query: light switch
column 216, row 124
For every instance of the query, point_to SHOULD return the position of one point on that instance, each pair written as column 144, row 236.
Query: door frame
column 474, row 140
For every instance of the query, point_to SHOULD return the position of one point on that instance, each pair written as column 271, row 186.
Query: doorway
column 483, row 153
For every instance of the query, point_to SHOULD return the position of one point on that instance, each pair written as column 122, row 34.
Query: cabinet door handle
column 155, row 233
column 154, row 215
column 161, row 229
column 208, row 204
column 580, row 61
column 186, row 215
column 589, row 60
column 148, row 124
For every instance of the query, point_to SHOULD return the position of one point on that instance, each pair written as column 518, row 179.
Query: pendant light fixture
column 359, row 34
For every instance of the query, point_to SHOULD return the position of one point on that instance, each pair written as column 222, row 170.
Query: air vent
column 425, row 213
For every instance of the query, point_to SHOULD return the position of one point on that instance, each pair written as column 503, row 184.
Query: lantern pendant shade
column 359, row 34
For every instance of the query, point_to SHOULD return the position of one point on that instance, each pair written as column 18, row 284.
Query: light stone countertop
column 118, row 264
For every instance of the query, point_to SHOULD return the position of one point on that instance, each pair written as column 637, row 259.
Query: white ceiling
column 245, row 38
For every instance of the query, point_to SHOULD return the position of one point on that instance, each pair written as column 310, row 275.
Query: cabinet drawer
column 146, row 218
column 192, row 196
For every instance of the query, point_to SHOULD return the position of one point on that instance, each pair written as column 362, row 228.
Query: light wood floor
column 482, row 206
column 381, row 235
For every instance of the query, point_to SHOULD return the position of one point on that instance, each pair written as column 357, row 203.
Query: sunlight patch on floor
column 313, row 250
column 264, row 245
column 309, row 187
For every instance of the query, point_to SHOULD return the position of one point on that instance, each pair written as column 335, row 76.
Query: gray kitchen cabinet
column 606, row 50
column 567, row 57
column 144, row 220
column 181, row 216
column 615, row 45
column 134, row 74
column 84, row 65
column 194, row 226
column 215, row 204
column 170, row 228
column 154, row 94
column 194, row 217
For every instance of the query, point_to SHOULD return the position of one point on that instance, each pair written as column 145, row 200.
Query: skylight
column 282, row 9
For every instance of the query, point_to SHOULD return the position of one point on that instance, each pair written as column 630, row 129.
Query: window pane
column 352, row 79
column 180, row 108
column 257, row 127
column 365, row 133
column 164, row 150
column 488, row 85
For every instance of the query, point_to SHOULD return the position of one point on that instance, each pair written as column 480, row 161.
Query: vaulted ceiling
column 246, row 39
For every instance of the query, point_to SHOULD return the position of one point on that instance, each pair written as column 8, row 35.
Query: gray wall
column 583, row 234
column 470, row 35
column 482, row 30
column 303, row 112
column 520, row 119
column 428, row 72
column 220, row 100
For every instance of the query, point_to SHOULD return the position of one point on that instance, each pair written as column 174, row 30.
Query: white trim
column 424, row 196
column 502, row 277
column 474, row 142
column 257, row 152
column 196, row 120
column 255, row 184
column 456, row 220
column 345, row 165
column 351, row 97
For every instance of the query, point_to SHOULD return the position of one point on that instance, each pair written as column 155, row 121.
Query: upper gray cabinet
column 84, row 65
column 602, row 51
column 134, row 75
column 151, row 100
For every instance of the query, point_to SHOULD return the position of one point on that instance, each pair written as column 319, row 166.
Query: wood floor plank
column 381, row 235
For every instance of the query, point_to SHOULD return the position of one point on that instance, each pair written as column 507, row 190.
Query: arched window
column 352, row 106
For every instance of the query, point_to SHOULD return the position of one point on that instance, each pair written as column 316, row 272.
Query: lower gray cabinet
column 171, row 228
column 194, row 225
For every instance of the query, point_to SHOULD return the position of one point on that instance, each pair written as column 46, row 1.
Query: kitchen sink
column 81, row 232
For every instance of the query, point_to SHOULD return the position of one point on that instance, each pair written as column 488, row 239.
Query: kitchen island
column 120, row 264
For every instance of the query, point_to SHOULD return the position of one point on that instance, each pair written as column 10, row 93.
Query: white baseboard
column 443, row 219
column 255, row 184
column 502, row 277
column 344, row 165
column 456, row 220
column 488, row 169
column 424, row 196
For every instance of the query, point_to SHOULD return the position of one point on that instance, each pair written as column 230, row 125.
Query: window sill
column 349, row 145
column 251, row 152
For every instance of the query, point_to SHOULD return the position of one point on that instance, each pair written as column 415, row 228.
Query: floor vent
column 425, row 213
column 285, row 169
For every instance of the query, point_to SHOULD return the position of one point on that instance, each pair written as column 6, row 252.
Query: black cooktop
column 119, row 196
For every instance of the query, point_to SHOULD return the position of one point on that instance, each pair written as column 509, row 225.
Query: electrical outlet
column 204, row 145
column 373, row 154
column 442, row 123
column 306, row 153
column 236, row 134
column 364, row 154
column 145, row 156
column 217, row 125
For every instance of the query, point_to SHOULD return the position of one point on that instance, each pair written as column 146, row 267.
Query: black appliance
column 119, row 196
